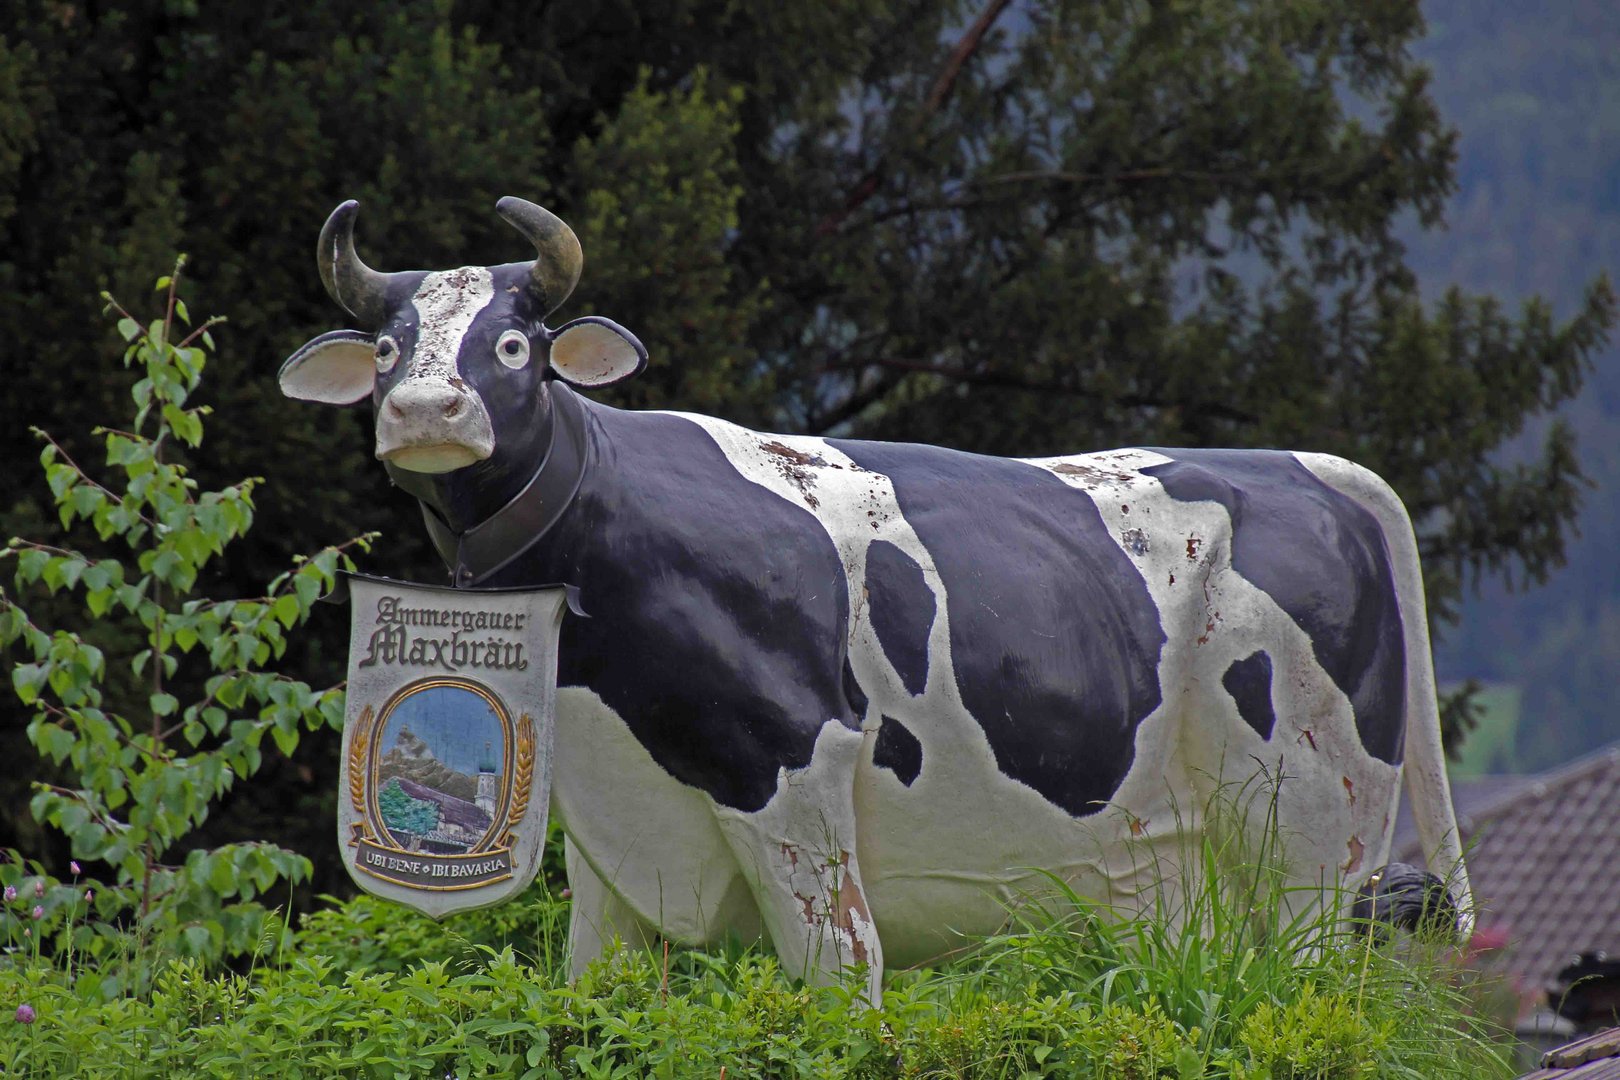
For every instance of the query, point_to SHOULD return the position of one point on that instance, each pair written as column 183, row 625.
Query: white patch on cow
column 432, row 420
column 1214, row 617
column 446, row 304
column 800, row 854
column 939, row 860
column 652, row 845
column 1424, row 764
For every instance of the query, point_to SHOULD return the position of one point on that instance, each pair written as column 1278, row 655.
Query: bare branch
column 962, row 53
column 856, row 403
column 868, row 185
column 1010, row 381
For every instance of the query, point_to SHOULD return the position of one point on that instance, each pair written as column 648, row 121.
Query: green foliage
column 401, row 811
column 1222, row 982
column 1539, row 212
column 1314, row 1037
column 366, row 990
column 199, row 696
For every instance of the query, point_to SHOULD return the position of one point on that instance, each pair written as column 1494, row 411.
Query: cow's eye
column 513, row 348
column 387, row 354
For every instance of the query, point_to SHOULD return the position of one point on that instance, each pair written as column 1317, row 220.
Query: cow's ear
column 338, row 368
column 594, row 351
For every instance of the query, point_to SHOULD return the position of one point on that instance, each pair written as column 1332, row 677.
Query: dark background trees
column 1018, row 227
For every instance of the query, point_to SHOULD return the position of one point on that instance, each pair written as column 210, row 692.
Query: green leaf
column 223, row 877
column 31, row 564
column 286, row 739
column 163, row 704
column 73, row 817
column 26, row 680
column 286, row 610
column 197, row 939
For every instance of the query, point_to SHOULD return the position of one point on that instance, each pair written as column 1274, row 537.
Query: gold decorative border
column 358, row 743
column 522, row 778
column 499, row 824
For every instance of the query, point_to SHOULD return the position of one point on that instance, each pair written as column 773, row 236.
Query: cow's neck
column 478, row 537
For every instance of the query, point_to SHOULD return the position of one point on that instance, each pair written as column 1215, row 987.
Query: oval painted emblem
column 449, row 776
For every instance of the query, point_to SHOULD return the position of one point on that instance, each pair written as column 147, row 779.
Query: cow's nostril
column 453, row 406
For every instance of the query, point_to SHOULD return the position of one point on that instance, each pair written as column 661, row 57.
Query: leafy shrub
column 155, row 737
column 1313, row 1037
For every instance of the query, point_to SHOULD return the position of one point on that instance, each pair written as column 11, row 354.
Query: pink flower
column 74, row 866
column 25, row 1014
column 39, row 912
column 89, row 895
column 11, row 893
column 39, row 888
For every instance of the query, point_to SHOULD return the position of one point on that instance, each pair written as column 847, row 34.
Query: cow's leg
column 799, row 856
column 596, row 916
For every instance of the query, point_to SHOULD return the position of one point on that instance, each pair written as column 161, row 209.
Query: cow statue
column 860, row 697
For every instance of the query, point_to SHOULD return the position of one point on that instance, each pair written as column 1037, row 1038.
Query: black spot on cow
column 1249, row 682
column 897, row 750
column 1321, row 556
column 712, row 604
column 1054, row 637
column 853, row 693
column 902, row 611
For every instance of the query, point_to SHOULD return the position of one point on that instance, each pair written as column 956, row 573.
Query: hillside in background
column 1534, row 90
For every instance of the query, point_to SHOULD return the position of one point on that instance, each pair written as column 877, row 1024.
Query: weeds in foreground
column 1220, row 982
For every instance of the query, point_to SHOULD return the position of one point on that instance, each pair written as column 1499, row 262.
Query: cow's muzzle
column 430, row 426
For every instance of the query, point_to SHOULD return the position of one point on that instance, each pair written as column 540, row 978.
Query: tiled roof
column 1544, row 859
column 454, row 811
column 1596, row 1057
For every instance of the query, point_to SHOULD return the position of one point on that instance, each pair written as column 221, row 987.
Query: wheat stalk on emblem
column 523, row 776
column 357, row 761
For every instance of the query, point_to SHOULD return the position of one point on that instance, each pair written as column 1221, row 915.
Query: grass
column 1219, row 982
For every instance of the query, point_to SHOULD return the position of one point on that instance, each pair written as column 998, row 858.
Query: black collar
column 477, row 554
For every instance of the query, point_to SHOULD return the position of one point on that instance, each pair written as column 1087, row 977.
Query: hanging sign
column 447, row 740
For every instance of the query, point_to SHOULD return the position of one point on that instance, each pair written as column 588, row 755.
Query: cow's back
column 1055, row 659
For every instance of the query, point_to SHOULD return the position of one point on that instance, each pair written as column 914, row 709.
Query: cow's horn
column 359, row 289
column 557, row 266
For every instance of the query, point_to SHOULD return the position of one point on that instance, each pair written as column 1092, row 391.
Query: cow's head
column 457, row 360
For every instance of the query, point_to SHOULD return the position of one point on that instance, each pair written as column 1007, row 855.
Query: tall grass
column 1240, row 970
column 1232, row 974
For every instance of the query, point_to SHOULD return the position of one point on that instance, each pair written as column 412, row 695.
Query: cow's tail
column 1425, row 759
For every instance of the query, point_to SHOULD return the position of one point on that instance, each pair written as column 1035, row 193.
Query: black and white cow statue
column 861, row 697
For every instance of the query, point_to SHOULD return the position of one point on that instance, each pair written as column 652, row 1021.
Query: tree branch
column 962, row 53
column 1009, row 381
column 868, row 185
column 857, row 402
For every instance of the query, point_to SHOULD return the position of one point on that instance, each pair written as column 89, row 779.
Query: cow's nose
column 426, row 399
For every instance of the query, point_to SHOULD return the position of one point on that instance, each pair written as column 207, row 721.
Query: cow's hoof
column 1404, row 897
